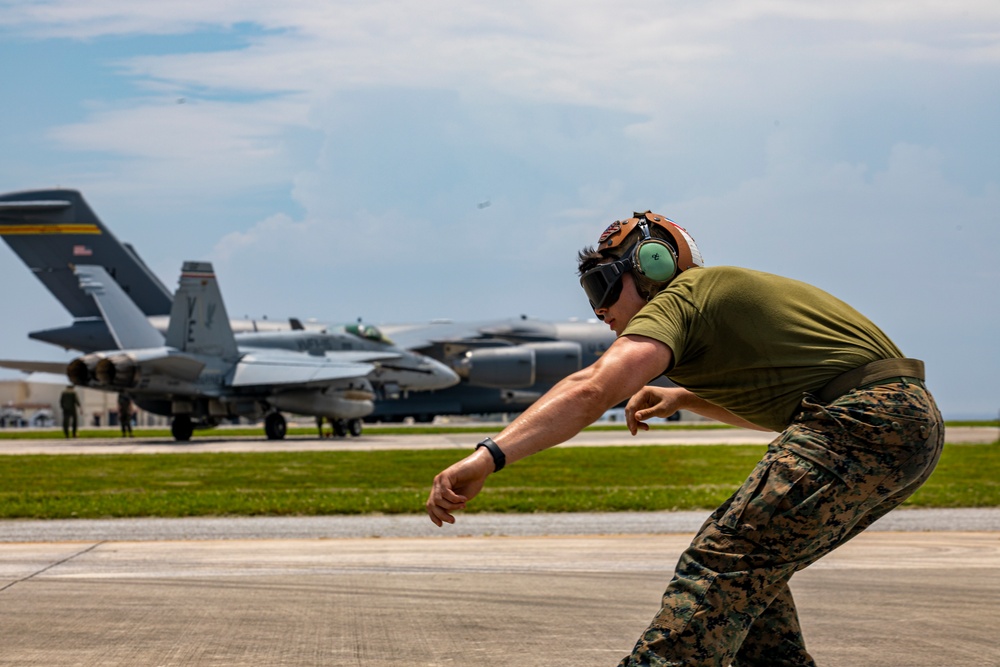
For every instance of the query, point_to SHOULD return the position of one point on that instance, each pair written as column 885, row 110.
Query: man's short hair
column 588, row 258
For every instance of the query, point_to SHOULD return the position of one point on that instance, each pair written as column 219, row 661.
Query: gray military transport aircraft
column 504, row 365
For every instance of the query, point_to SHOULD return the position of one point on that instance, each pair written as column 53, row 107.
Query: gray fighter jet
column 202, row 373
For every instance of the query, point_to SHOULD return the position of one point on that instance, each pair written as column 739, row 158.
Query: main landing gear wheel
column 275, row 426
column 354, row 427
column 181, row 428
column 339, row 428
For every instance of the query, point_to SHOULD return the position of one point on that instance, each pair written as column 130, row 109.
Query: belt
column 876, row 372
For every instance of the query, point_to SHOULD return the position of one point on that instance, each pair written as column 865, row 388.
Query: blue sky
column 331, row 157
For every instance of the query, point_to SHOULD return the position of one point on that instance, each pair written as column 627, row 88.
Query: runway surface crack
column 51, row 565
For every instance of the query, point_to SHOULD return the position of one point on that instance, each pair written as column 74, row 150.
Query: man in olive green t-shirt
column 858, row 430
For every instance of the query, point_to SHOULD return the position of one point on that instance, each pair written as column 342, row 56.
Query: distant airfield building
column 33, row 402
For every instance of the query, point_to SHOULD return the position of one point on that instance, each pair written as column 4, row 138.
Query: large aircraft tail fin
column 198, row 321
column 127, row 324
column 53, row 230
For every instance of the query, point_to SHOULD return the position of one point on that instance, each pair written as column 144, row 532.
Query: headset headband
column 688, row 255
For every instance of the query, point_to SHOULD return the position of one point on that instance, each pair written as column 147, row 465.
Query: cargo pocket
column 793, row 509
column 763, row 494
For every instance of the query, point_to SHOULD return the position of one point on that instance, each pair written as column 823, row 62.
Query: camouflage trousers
column 835, row 470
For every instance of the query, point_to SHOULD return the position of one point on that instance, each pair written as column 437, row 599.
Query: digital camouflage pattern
column 834, row 471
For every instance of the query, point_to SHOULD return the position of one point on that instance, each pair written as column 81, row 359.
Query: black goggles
column 603, row 283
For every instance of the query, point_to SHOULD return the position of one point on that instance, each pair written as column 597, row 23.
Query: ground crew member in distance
column 125, row 413
column 858, row 430
column 69, row 403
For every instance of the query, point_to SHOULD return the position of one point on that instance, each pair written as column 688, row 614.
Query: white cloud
column 174, row 128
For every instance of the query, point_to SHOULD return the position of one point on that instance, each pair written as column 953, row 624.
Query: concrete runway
column 495, row 590
column 886, row 599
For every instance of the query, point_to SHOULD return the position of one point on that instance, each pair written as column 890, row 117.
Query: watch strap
column 499, row 459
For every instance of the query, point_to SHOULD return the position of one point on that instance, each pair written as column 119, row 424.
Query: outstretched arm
column 575, row 402
column 651, row 402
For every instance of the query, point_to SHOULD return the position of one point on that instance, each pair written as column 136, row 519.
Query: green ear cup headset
column 654, row 258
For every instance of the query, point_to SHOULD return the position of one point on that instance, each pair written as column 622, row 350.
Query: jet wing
column 338, row 356
column 512, row 331
column 426, row 336
column 262, row 369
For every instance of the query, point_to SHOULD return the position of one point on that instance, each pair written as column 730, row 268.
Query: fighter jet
column 199, row 373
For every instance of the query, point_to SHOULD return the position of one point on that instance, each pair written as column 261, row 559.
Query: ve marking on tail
column 199, row 323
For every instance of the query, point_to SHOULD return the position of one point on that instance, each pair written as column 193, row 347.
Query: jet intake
column 555, row 360
column 498, row 367
column 519, row 366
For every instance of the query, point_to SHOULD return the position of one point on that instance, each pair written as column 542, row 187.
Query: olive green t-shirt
column 754, row 343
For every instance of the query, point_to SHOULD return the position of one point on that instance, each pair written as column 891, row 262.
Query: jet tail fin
column 127, row 324
column 53, row 230
column 198, row 321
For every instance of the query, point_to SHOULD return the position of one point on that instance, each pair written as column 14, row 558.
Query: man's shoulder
column 722, row 278
column 726, row 272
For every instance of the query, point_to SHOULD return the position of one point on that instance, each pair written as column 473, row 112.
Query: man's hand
column 651, row 402
column 457, row 485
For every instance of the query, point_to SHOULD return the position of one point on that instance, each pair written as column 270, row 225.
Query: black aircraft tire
column 354, row 427
column 339, row 428
column 181, row 428
column 275, row 426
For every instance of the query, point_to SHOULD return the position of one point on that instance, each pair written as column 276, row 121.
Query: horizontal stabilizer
column 58, row 367
column 87, row 334
column 270, row 369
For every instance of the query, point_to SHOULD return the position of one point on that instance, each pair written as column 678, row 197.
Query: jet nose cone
column 440, row 376
column 433, row 375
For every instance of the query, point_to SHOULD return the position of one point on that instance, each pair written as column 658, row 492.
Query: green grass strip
column 489, row 428
column 571, row 479
column 310, row 431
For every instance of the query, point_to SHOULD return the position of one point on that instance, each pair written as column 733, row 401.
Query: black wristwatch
column 499, row 460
